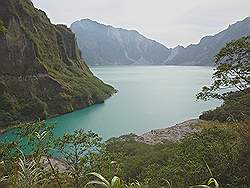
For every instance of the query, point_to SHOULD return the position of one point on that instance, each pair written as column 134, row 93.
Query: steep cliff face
column 106, row 45
column 41, row 72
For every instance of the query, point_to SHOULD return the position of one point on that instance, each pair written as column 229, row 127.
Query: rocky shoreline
column 156, row 136
column 172, row 134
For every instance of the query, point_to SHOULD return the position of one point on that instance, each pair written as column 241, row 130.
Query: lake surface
column 149, row 97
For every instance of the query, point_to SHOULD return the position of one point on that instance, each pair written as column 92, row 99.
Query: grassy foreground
column 223, row 146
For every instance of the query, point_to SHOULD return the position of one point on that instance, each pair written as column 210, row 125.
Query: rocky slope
column 41, row 72
column 170, row 134
column 204, row 52
column 104, row 45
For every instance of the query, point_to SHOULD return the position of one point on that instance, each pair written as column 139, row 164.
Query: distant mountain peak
column 104, row 44
column 178, row 47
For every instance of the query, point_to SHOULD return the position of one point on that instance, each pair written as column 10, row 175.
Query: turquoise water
column 149, row 97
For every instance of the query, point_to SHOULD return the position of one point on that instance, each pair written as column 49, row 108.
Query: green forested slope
column 41, row 72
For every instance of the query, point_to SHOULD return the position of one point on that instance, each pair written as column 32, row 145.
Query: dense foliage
column 182, row 164
column 232, row 70
column 76, row 149
column 231, row 83
column 236, row 107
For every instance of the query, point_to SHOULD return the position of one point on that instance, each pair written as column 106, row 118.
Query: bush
column 236, row 107
column 182, row 163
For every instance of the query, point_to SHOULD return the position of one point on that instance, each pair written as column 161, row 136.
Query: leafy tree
column 232, row 71
column 235, row 108
column 38, row 136
column 36, row 140
column 38, row 143
column 76, row 150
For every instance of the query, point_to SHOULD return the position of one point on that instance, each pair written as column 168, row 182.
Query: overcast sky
column 170, row 22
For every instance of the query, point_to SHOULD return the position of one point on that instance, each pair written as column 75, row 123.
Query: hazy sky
column 170, row 22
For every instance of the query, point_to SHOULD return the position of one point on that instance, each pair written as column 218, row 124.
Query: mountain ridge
column 127, row 46
column 200, row 54
column 203, row 52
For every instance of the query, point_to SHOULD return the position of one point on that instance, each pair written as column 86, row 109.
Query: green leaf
column 200, row 186
column 213, row 181
column 100, row 177
column 116, row 182
column 97, row 183
column 168, row 183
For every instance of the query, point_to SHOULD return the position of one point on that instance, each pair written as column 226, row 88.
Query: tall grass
column 115, row 182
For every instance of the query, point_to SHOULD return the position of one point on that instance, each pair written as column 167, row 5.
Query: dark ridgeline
column 41, row 72
column 105, row 45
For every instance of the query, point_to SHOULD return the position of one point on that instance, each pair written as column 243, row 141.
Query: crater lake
column 148, row 97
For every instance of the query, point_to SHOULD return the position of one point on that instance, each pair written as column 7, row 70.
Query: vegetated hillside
column 106, row 45
column 203, row 53
column 236, row 107
column 41, row 72
column 221, row 145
